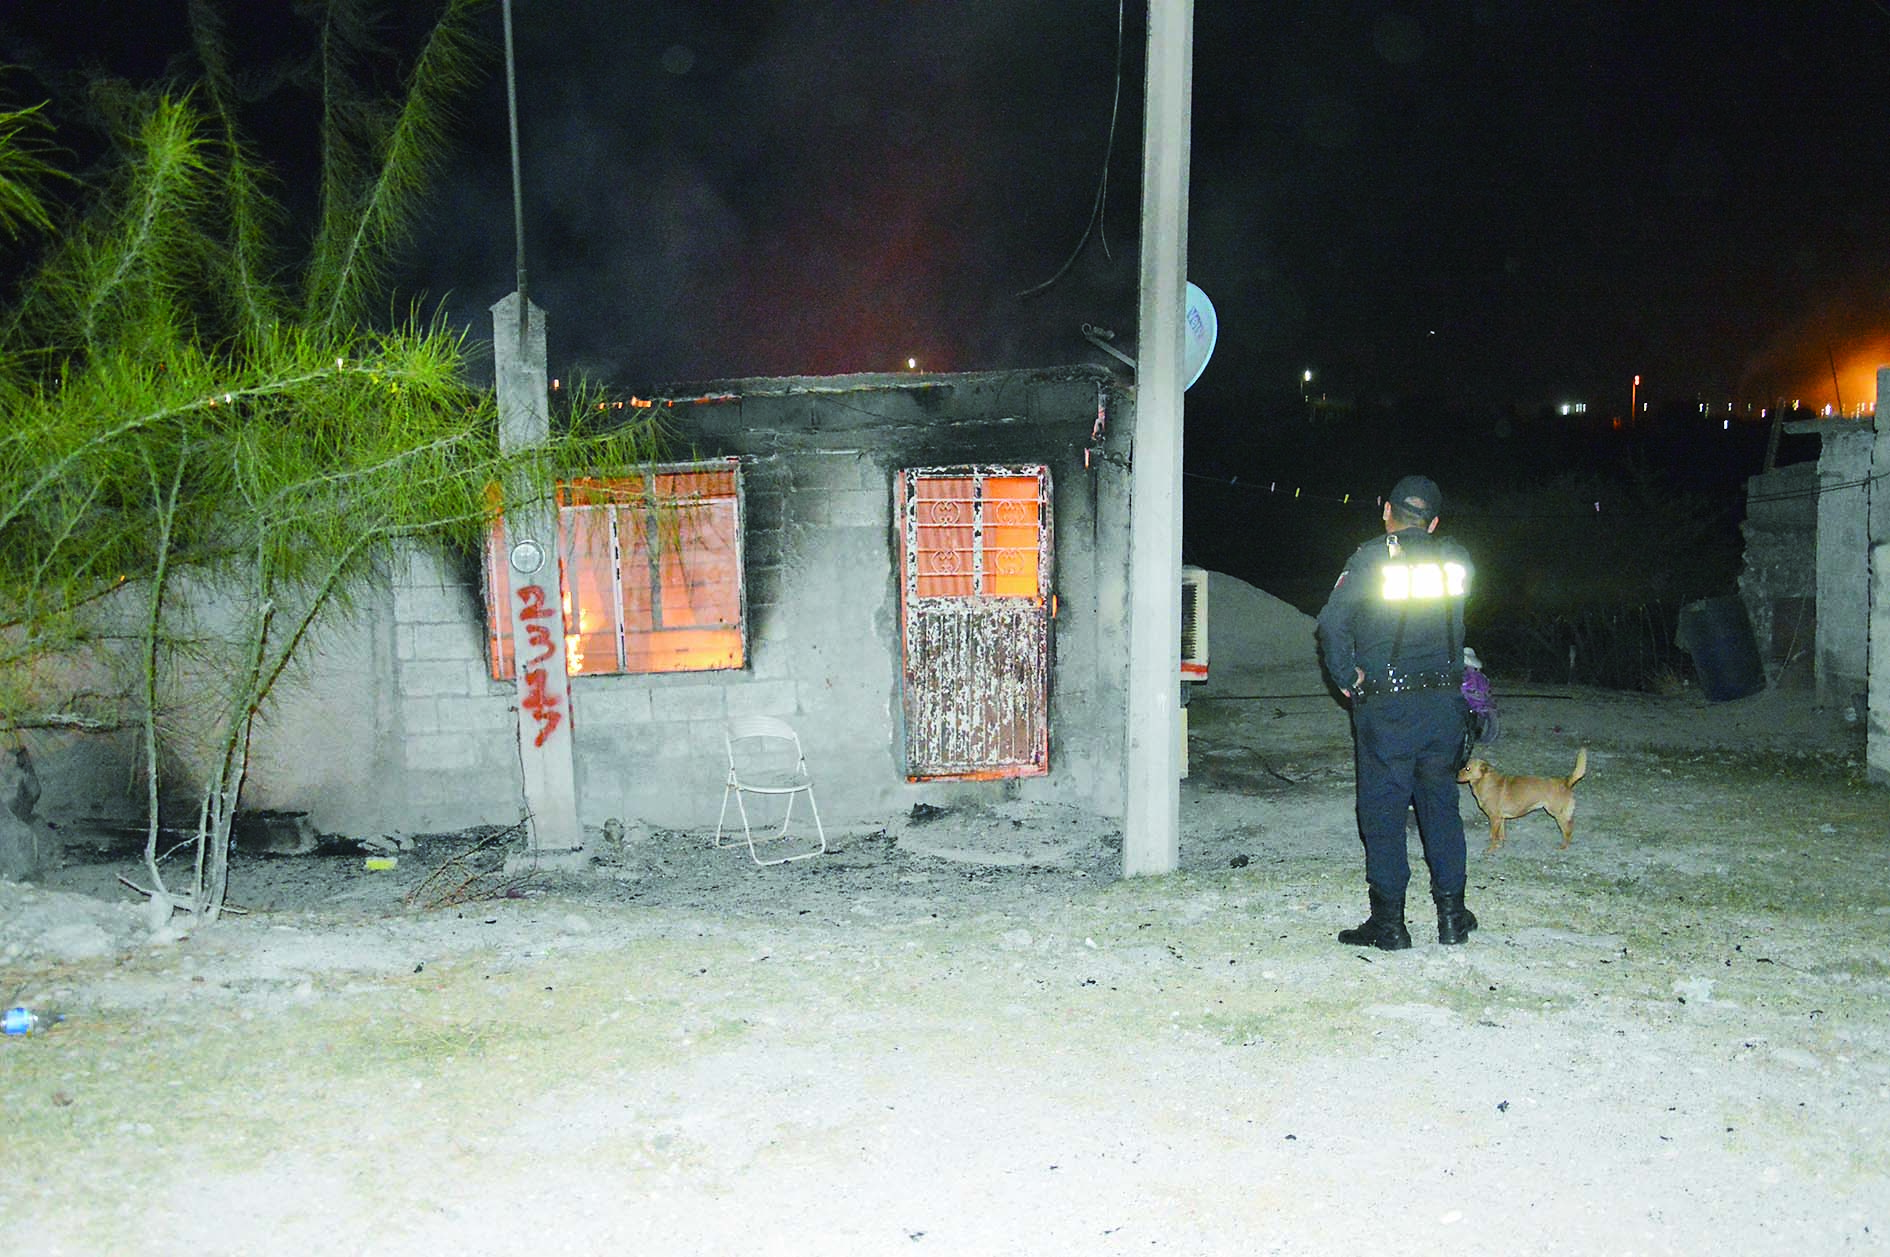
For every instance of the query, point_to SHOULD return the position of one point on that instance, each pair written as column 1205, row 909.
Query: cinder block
column 441, row 752
column 860, row 508
column 811, row 508
column 449, row 604
column 419, row 715
column 762, row 585
column 642, row 745
column 483, row 713
column 687, row 702
column 762, row 512
column 453, row 800
column 435, row 676
column 703, row 743
column 764, row 547
column 461, row 640
column 611, row 705
column 817, row 473
column 600, row 770
column 770, row 660
column 855, row 470
column 420, row 567
column 762, row 698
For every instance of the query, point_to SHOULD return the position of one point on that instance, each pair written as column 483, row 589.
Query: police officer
column 1391, row 639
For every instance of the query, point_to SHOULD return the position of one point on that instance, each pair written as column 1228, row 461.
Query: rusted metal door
column 975, row 618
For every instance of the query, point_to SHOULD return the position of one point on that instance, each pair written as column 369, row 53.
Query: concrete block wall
column 650, row 748
column 1843, row 638
column 1877, row 511
column 1830, row 502
column 1778, row 581
column 822, row 600
column 450, row 739
column 1089, row 697
column 392, row 723
column 837, row 635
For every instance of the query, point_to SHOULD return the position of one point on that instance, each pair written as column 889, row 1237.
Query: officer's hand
column 1360, row 681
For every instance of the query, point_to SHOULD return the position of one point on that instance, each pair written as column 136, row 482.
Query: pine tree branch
column 354, row 261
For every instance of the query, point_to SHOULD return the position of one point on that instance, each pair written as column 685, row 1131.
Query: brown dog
column 1505, row 798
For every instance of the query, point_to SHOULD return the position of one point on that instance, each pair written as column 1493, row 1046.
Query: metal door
column 975, row 620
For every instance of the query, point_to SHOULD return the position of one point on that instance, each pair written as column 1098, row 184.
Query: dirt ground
column 967, row 1034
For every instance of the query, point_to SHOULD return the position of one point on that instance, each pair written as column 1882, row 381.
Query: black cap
column 1418, row 495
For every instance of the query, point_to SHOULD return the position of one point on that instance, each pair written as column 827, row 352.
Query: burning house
column 926, row 575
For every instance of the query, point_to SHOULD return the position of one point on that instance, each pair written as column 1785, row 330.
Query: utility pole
column 1152, row 824
column 545, row 731
column 536, row 579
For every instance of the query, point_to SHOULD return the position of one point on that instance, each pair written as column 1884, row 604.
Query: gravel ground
column 965, row 1033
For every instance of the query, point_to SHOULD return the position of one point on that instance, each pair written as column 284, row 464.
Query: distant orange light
column 1856, row 382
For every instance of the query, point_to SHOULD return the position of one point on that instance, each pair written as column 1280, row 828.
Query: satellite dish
column 1200, row 329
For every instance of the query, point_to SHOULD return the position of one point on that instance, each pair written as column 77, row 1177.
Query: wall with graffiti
column 805, row 476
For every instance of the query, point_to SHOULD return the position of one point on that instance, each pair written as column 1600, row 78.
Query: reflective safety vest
column 1423, row 581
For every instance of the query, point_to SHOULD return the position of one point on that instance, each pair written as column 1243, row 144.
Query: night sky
column 1499, row 202
column 1480, row 201
column 1458, row 215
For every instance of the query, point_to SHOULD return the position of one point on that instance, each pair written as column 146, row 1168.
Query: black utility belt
column 1396, row 682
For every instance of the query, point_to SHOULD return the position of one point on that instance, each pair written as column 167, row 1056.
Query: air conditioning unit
column 1194, row 623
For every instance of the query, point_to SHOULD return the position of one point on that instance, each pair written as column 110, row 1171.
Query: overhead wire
column 518, row 184
column 1101, row 202
column 1362, row 501
column 1299, row 493
column 1815, row 490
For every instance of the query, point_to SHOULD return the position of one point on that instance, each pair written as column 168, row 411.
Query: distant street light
column 1305, row 384
column 1633, row 406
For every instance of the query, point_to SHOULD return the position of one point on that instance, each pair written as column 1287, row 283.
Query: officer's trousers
column 1405, row 751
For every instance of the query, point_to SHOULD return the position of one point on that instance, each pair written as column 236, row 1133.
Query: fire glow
column 1834, row 376
column 1855, row 377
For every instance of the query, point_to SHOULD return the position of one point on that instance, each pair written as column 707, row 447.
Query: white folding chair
column 764, row 757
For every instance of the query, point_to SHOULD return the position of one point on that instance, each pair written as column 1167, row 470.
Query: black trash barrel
column 1717, row 633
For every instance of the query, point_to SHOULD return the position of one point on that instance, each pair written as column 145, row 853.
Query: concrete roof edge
column 787, row 385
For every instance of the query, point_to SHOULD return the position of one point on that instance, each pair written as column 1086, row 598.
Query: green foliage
column 196, row 421
column 376, row 157
column 23, row 167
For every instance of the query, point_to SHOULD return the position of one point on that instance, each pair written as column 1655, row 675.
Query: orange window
column 498, row 594
column 1012, row 535
column 977, row 534
column 652, row 574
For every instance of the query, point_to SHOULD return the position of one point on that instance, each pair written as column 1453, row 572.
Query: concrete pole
column 531, row 545
column 1152, row 826
column 1877, row 663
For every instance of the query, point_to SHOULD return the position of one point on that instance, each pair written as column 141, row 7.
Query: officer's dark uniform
column 1397, row 613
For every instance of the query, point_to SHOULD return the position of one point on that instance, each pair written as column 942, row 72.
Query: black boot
column 1454, row 921
column 1384, row 928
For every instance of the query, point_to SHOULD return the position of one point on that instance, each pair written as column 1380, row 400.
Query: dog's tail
column 1581, row 766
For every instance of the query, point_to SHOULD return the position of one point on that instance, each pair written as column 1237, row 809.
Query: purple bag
column 1479, row 699
column 1476, row 691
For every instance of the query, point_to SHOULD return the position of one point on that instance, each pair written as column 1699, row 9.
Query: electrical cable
column 1102, row 187
column 518, row 185
column 1300, row 494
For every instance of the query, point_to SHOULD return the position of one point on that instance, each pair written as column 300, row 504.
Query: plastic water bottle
column 23, row 1020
